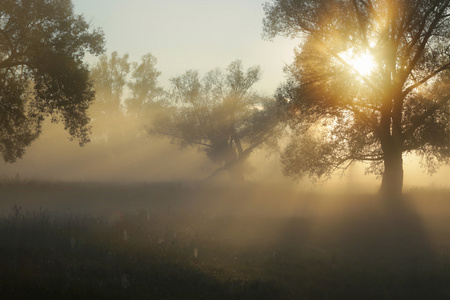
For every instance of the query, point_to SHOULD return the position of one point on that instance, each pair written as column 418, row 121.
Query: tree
column 109, row 76
column 114, row 79
column 42, row 45
column 370, row 82
column 144, row 88
column 219, row 115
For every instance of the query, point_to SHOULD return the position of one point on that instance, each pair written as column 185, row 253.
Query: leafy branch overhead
column 42, row 45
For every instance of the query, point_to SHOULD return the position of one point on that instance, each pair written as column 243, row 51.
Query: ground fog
column 186, row 241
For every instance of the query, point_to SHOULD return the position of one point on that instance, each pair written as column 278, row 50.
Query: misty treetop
column 124, row 86
column 42, row 45
column 220, row 115
column 127, row 96
column 144, row 86
column 397, row 103
column 109, row 76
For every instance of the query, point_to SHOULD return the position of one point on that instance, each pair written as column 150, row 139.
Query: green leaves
column 41, row 71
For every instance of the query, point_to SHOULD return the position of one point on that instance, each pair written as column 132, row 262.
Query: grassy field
column 173, row 241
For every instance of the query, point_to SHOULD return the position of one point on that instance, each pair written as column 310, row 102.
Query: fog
column 54, row 157
column 136, row 207
column 137, row 157
column 181, row 191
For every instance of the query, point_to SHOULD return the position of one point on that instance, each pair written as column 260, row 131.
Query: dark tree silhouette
column 42, row 44
column 220, row 115
column 341, row 113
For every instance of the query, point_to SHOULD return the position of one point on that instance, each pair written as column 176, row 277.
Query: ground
column 184, row 241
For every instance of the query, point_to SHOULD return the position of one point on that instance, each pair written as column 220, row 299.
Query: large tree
column 370, row 82
column 42, row 45
column 220, row 115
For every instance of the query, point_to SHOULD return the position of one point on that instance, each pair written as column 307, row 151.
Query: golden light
column 362, row 63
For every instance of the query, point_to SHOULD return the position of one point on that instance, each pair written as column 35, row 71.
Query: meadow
column 62, row 240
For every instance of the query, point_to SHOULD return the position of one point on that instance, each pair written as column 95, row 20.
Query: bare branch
column 159, row 131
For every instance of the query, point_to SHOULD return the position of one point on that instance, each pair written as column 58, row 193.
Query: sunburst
column 362, row 63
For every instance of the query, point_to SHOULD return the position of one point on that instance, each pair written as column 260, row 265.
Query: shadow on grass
column 249, row 245
column 362, row 249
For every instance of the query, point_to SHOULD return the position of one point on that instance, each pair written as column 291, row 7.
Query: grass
column 170, row 241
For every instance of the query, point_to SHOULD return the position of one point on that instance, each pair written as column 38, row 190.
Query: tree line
column 218, row 113
column 334, row 114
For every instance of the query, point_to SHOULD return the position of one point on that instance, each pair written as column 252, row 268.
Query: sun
column 362, row 63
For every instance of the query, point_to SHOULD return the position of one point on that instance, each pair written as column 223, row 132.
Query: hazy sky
column 191, row 34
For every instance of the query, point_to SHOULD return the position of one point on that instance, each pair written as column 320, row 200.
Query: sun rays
column 361, row 63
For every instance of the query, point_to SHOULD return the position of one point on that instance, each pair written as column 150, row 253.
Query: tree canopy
column 220, row 115
column 42, row 45
column 126, row 92
column 109, row 76
column 144, row 87
column 342, row 112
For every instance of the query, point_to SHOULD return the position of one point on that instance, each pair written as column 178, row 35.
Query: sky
column 182, row 35
column 194, row 34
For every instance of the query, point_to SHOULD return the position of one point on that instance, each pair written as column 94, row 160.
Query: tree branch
column 426, row 37
column 154, row 131
column 418, row 121
column 424, row 80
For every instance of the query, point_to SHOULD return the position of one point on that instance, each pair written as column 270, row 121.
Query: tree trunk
column 391, row 143
column 392, row 182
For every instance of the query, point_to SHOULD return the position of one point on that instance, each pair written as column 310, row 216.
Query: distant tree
column 126, row 95
column 220, row 115
column 370, row 82
column 144, row 88
column 109, row 76
column 42, row 45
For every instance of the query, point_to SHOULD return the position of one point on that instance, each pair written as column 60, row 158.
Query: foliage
column 220, row 115
column 144, row 87
column 42, row 44
column 126, row 92
column 110, row 79
column 343, row 115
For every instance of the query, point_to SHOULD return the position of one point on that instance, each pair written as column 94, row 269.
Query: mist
column 137, row 158
column 229, row 168
column 130, row 213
